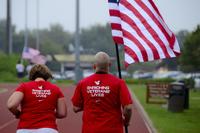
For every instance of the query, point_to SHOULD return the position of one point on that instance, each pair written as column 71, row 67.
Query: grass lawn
column 168, row 122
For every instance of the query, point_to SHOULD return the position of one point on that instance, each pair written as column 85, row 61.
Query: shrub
column 189, row 82
column 7, row 67
column 7, row 77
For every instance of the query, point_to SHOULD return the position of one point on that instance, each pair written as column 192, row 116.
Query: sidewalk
column 141, row 121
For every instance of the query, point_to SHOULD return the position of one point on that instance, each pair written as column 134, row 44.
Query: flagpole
column 9, row 29
column 119, row 69
column 118, row 61
column 126, row 129
column 119, row 72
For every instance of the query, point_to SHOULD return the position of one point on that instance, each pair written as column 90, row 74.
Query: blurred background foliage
column 55, row 40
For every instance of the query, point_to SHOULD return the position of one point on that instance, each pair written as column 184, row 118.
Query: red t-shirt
column 101, row 96
column 38, row 105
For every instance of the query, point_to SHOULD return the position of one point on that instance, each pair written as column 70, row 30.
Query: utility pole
column 26, row 25
column 37, row 22
column 9, row 28
column 25, row 28
column 78, row 73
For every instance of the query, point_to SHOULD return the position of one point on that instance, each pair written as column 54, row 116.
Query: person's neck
column 39, row 79
column 101, row 72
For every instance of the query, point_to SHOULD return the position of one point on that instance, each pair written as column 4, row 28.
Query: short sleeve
column 77, row 99
column 125, row 96
column 21, row 88
column 60, row 94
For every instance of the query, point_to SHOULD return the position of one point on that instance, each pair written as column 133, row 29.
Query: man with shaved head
column 102, row 62
column 104, row 99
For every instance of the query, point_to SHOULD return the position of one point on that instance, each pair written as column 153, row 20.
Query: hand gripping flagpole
column 119, row 73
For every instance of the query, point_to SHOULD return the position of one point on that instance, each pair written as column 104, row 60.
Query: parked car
column 143, row 75
column 196, row 78
column 58, row 76
column 197, row 83
column 70, row 75
column 87, row 73
column 177, row 75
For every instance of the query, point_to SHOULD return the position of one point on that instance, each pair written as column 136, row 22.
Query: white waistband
column 39, row 130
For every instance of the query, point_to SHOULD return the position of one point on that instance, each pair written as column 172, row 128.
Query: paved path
column 72, row 124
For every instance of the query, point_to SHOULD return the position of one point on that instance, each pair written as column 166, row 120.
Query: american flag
column 29, row 53
column 115, row 21
column 39, row 59
column 146, row 36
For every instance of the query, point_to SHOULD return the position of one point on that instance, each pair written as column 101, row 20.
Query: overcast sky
column 178, row 14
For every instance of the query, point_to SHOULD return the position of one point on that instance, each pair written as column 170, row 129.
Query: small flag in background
column 33, row 55
column 29, row 53
column 146, row 36
column 39, row 59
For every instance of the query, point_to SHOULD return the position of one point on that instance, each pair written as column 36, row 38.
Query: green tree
column 7, row 67
column 190, row 58
column 98, row 38
column 181, row 35
column 48, row 47
column 52, row 40
column 57, row 37
column 18, row 38
column 18, row 42
column 3, row 35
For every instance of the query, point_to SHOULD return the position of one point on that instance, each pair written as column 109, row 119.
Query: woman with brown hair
column 41, row 103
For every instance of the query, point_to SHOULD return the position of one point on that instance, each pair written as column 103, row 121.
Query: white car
column 70, row 75
column 87, row 73
column 197, row 82
column 58, row 76
column 171, row 74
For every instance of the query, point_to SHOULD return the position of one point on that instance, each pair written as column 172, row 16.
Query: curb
column 144, row 115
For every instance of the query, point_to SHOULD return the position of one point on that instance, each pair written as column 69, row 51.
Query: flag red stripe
column 147, row 26
column 136, row 42
column 154, row 6
column 172, row 42
column 131, row 53
column 148, row 11
column 170, row 39
column 140, row 27
column 173, row 37
column 133, row 25
column 114, row 13
column 116, row 26
column 126, row 64
column 119, row 40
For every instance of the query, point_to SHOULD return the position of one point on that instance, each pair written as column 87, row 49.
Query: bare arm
column 14, row 102
column 61, row 110
column 127, row 112
column 77, row 109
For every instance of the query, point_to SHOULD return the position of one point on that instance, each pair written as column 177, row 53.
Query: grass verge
column 168, row 122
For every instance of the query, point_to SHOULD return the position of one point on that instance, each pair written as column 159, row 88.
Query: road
column 71, row 124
